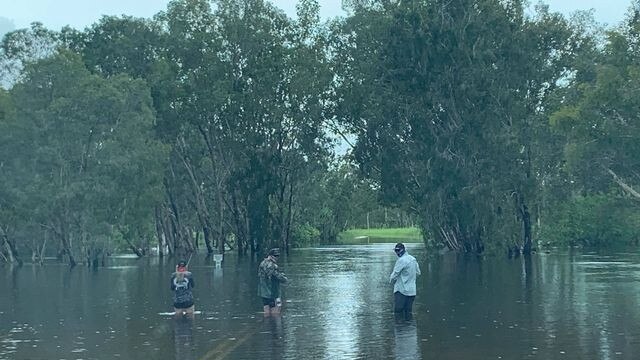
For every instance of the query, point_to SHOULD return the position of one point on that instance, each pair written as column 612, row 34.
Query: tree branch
column 622, row 184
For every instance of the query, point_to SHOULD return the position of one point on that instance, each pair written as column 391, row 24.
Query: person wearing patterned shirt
column 269, row 279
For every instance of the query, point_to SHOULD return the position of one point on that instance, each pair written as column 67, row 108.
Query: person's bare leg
column 185, row 311
column 267, row 310
column 190, row 311
column 277, row 309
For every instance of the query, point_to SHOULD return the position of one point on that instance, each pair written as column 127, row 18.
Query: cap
column 399, row 247
column 182, row 266
column 274, row 252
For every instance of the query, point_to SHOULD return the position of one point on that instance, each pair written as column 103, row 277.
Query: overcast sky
column 82, row 13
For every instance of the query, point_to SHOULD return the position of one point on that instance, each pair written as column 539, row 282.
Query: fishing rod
column 188, row 261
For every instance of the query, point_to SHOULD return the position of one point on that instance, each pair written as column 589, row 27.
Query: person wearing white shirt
column 403, row 279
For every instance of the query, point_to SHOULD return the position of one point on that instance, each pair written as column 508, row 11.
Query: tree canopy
column 491, row 127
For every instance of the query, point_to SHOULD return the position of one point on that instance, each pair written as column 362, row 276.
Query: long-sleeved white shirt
column 404, row 275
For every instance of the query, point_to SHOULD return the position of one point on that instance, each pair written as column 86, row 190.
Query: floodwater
column 337, row 306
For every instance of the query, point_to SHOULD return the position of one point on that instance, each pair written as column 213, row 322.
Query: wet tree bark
column 526, row 223
column 458, row 240
column 202, row 210
column 12, row 252
column 65, row 240
column 160, row 232
column 182, row 242
column 525, row 217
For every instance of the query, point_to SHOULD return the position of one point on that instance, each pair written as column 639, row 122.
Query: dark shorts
column 268, row 301
column 402, row 303
column 184, row 305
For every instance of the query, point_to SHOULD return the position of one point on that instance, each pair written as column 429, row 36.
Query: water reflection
column 274, row 334
column 218, row 274
column 339, row 305
column 406, row 340
column 340, row 322
column 183, row 338
column 13, row 270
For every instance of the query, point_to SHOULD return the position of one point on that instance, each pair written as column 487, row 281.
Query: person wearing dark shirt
column 182, row 284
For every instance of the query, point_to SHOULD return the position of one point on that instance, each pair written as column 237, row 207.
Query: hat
column 182, row 266
column 399, row 247
column 274, row 252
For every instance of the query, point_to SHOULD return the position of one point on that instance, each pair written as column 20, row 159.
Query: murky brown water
column 555, row 306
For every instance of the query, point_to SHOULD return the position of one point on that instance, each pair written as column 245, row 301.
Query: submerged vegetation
column 214, row 125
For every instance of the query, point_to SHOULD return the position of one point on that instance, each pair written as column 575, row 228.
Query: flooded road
column 338, row 306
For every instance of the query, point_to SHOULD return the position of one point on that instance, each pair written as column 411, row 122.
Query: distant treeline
column 214, row 125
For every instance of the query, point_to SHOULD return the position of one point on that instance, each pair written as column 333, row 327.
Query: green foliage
column 598, row 117
column 304, row 235
column 22, row 46
column 339, row 199
column 473, row 120
column 83, row 159
column 445, row 98
column 595, row 220
column 600, row 114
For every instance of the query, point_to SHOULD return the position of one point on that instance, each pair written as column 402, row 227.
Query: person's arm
column 397, row 269
column 418, row 268
column 280, row 275
column 173, row 286
column 191, row 281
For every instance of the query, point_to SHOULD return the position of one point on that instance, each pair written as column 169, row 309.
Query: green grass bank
column 373, row 236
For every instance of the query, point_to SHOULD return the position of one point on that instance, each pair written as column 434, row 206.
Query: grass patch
column 372, row 236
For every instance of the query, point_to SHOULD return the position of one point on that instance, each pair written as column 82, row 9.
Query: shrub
column 304, row 235
column 593, row 220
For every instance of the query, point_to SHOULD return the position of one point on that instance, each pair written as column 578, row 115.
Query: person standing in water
column 182, row 284
column 403, row 279
column 269, row 279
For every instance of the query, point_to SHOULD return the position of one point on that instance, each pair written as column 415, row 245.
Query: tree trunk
column 221, row 228
column 93, row 258
column 41, row 250
column 181, row 237
column 12, row 252
column 200, row 201
column 159, row 232
column 169, row 232
column 218, row 167
column 525, row 215
column 624, row 185
column 287, row 233
column 459, row 240
column 66, row 250
column 241, row 225
column 66, row 244
column 526, row 222
column 135, row 249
